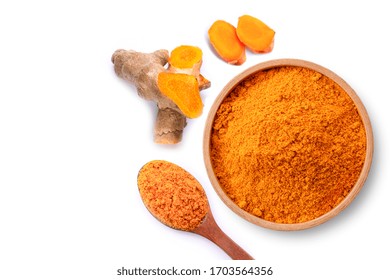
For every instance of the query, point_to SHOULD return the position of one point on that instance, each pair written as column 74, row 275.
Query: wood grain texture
column 210, row 230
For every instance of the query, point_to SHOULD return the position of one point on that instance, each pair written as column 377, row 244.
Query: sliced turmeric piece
column 185, row 57
column 224, row 40
column 255, row 34
column 188, row 59
column 183, row 90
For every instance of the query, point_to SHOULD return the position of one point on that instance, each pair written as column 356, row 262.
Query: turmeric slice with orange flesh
column 183, row 90
column 224, row 40
column 185, row 57
column 255, row 34
column 188, row 60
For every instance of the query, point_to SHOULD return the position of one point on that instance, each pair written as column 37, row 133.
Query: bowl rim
column 361, row 110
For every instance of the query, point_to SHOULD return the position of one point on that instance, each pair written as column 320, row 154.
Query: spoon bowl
column 175, row 198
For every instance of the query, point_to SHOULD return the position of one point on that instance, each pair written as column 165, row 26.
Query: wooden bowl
column 357, row 186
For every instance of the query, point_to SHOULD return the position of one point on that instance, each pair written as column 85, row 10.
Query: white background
column 73, row 136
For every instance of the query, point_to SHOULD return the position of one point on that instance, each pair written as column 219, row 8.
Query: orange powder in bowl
column 287, row 144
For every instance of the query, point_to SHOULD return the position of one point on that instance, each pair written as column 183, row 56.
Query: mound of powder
column 287, row 144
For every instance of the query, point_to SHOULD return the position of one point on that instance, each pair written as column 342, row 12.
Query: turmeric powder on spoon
column 172, row 195
column 175, row 198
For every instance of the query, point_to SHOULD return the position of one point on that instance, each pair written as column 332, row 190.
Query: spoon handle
column 210, row 230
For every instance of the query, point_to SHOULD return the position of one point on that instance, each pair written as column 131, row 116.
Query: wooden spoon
column 210, row 229
column 153, row 179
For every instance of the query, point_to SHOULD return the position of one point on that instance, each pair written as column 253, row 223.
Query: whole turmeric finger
column 224, row 40
column 255, row 34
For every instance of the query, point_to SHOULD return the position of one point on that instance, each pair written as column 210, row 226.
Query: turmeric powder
column 172, row 195
column 287, row 144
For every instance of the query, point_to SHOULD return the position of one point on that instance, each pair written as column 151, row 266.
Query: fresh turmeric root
column 225, row 42
column 255, row 34
column 143, row 70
